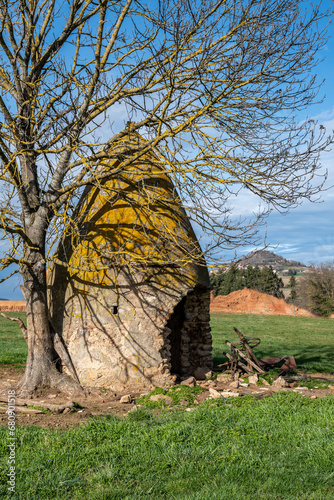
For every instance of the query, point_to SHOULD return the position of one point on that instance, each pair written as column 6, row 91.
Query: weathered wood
column 246, row 358
column 244, row 367
column 20, row 409
column 248, row 348
column 30, row 402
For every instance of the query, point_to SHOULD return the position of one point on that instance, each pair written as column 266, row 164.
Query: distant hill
column 266, row 258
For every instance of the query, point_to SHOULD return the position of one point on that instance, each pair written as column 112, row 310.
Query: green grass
column 180, row 395
column 281, row 447
column 309, row 340
column 13, row 347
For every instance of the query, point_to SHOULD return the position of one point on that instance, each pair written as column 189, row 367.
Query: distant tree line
column 263, row 280
column 315, row 291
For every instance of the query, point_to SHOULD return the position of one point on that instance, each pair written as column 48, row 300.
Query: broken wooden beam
column 248, row 348
column 246, row 358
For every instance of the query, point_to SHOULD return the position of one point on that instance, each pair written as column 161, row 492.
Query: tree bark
column 41, row 365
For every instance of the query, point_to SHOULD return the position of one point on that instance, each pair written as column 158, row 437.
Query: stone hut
column 129, row 292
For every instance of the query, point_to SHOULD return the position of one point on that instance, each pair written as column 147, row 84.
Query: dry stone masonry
column 129, row 292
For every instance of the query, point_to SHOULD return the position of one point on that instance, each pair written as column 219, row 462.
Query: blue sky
column 306, row 233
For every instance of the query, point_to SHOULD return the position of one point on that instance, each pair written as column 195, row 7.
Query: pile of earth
column 12, row 305
column 248, row 301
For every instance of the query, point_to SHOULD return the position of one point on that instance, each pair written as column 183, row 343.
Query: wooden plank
column 242, row 355
column 244, row 367
column 20, row 409
column 250, row 351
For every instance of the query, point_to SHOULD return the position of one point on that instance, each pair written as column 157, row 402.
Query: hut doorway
column 175, row 323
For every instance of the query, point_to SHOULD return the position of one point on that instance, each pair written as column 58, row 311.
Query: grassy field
column 13, row 347
column 309, row 340
column 281, row 447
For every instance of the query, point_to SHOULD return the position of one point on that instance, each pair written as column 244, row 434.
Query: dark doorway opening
column 175, row 323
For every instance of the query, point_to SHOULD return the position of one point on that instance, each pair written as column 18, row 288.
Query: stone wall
column 135, row 334
column 129, row 293
column 193, row 349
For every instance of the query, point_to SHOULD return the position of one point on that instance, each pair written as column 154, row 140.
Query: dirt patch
column 251, row 302
column 97, row 402
column 13, row 305
column 105, row 402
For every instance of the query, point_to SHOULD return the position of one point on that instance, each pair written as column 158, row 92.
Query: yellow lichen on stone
column 130, row 280
column 135, row 218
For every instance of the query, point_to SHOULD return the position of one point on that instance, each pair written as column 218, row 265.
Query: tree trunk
column 41, row 361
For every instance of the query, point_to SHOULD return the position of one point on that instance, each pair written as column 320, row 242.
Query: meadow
column 279, row 447
column 309, row 340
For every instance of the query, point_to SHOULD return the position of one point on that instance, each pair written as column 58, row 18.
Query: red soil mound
column 12, row 305
column 243, row 302
column 251, row 302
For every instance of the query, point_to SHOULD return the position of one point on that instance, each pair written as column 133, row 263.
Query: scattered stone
column 204, row 385
column 189, row 409
column 126, row 399
column 162, row 397
column 302, row 388
column 190, row 382
column 211, row 383
column 67, row 410
column 214, row 394
column 51, row 396
column 279, row 382
column 243, row 384
column 202, row 373
column 234, row 384
column 278, row 388
column 207, row 384
column 293, row 384
column 229, row 394
column 253, row 379
column 331, row 387
column 183, row 402
column 313, row 397
column 264, row 381
column 225, row 394
column 224, row 378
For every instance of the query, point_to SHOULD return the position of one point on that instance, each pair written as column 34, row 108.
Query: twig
column 20, row 322
column 254, row 365
column 249, row 350
column 32, row 402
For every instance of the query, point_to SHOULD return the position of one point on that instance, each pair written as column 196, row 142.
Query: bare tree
column 316, row 289
column 213, row 86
